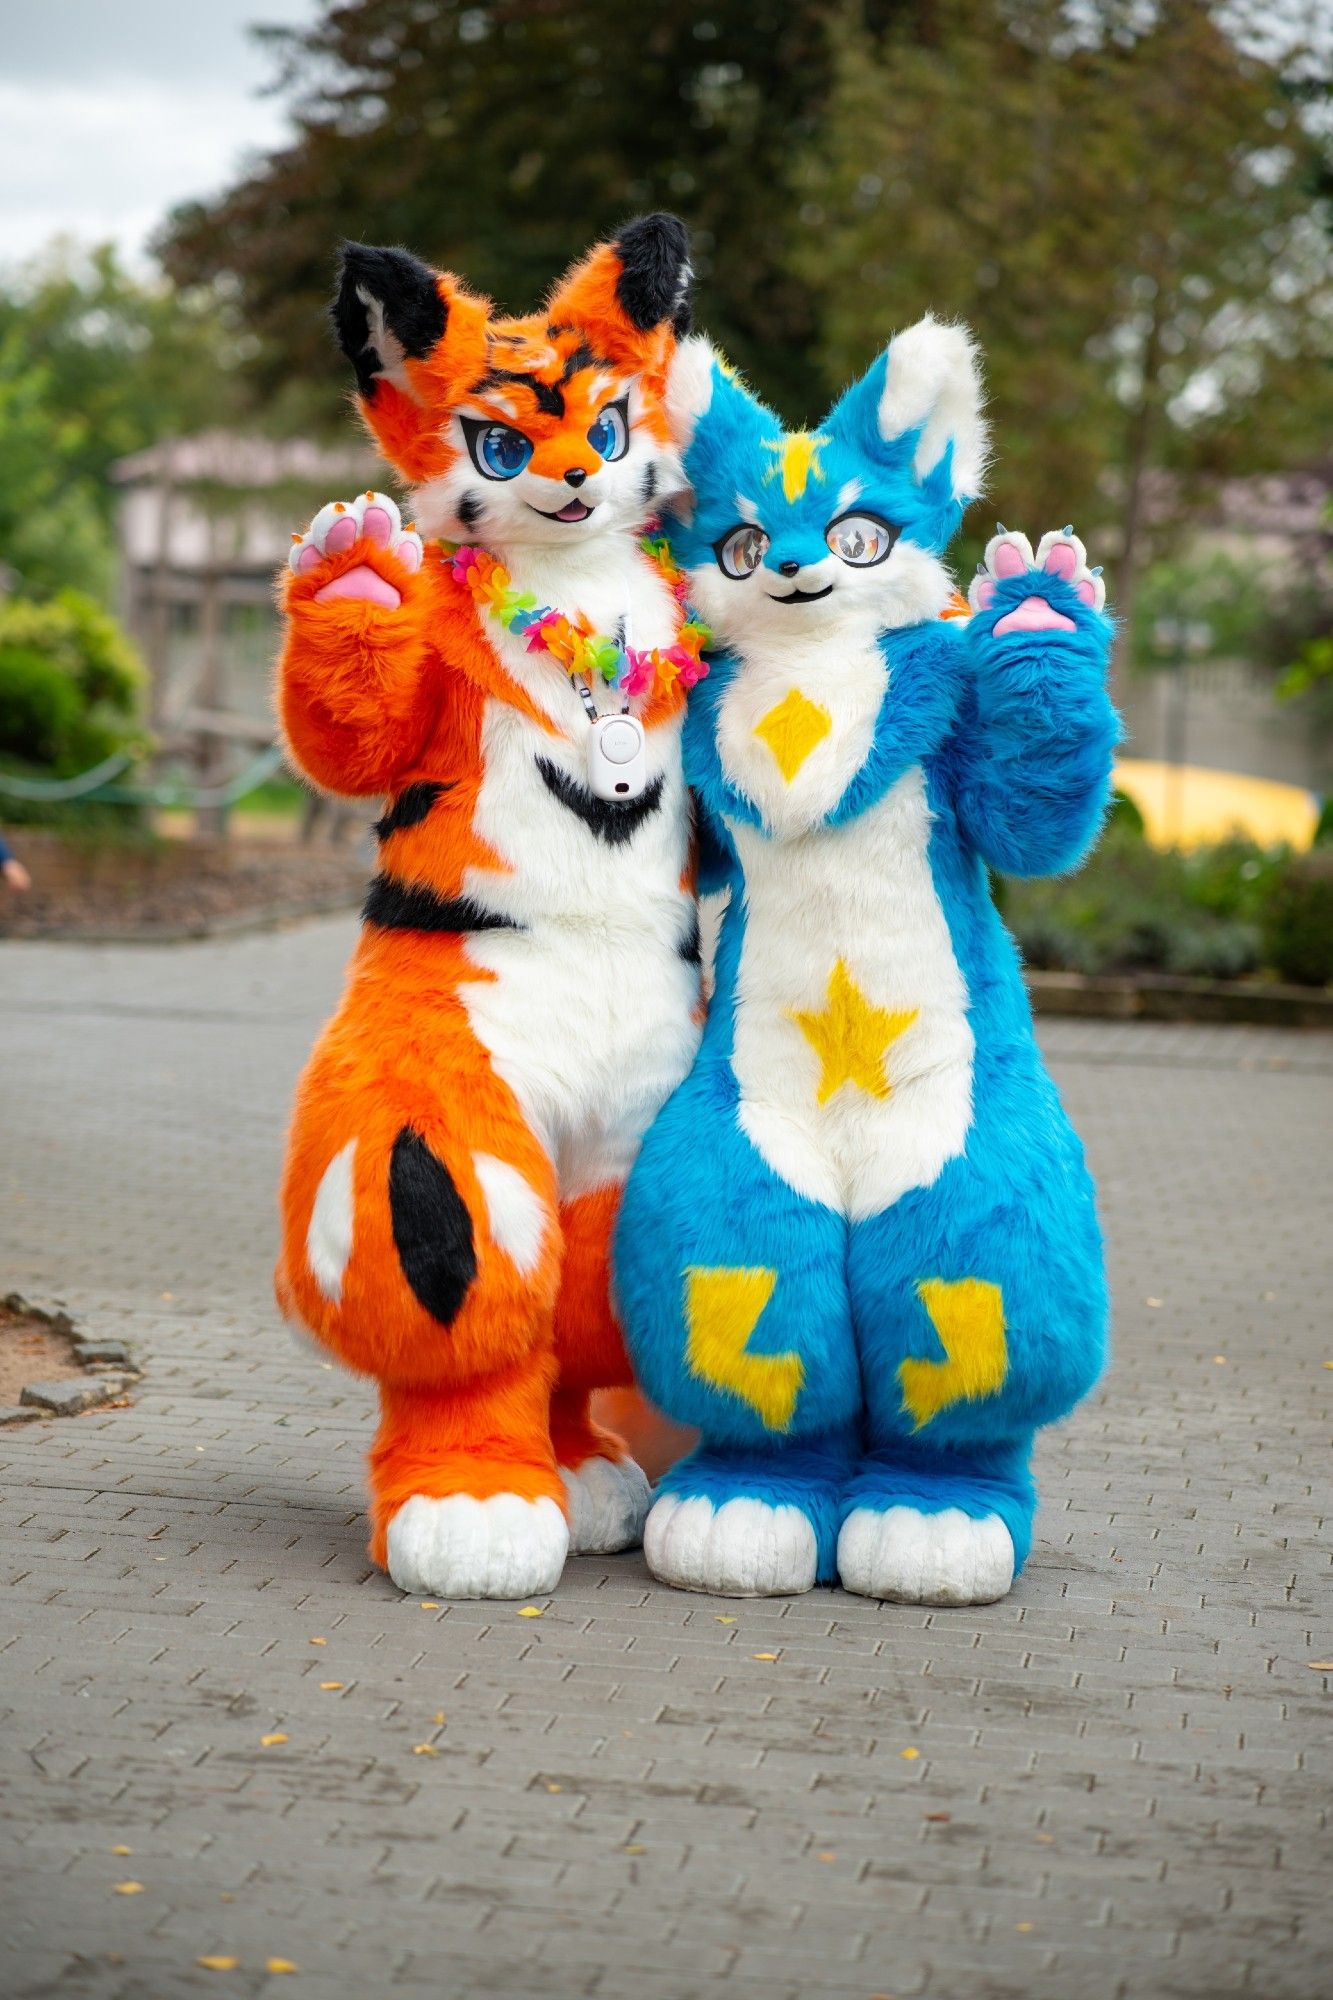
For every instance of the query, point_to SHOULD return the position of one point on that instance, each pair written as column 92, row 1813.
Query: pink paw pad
column 1034, row 614
column 1061, row 558
column 364, row 584
column 371, row 519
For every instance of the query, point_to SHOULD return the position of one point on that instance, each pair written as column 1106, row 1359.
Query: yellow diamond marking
column 722, row 1309
column 851, row 1036
column 792, row 729
column 796, row 458
column 968, row 1316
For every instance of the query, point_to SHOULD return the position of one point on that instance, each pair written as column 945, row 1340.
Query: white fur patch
column 933, row 381
column 744, row 1548
column 328, row 1240
column 516, row 1212
column 908, row 1557
column 608, row 1504
column 689, row 386
column 849, row 686
column 861, row 893
column 461, row 1547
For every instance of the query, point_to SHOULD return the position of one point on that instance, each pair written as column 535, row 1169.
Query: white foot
column 744, row 1548
column 915, row 1558
column 608, row 1504
column 460, row 1547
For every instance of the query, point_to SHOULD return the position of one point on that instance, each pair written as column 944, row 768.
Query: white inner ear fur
column 385, row 345
column 689, row 388
column 933, row 382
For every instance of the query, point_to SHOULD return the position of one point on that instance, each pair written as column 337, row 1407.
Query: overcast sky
column 111, row 111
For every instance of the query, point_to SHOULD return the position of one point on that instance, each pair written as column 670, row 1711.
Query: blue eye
column 501, row 451
column 609, row 433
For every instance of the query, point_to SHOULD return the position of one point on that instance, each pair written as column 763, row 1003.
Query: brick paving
column 1116, row 1783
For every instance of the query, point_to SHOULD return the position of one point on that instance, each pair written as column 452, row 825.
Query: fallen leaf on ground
column 1152, row 1302
column 319, row 1642
column 943, row 1819
column 128, row 1888
column 531, row 1611
column 122, row 1850
column 430, row 1605
column 274, row 1736
column 1025, row 1927
column 828, row 1855
column 328, row 1687
column 555, row 1788
column 1315, row 1666
column 720, row 1620
column 280, row 1965
column 635, row 1847
column 1220, row 1360
column 424, row 1750
column 216, row 1962
column 438, row 1715
column 763, row 1656
column 910, row 1754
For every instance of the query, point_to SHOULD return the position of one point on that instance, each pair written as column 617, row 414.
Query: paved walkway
column 1115, row 1783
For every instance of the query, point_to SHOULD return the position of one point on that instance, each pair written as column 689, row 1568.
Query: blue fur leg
column 811, row 1476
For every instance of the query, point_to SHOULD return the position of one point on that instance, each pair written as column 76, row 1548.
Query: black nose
column 575, row 476
column 788, row 568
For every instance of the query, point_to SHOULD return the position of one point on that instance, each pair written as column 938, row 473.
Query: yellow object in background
column 1184, row 805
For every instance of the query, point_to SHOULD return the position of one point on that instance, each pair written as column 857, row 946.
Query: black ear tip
column 655, row 271
column 407, row 305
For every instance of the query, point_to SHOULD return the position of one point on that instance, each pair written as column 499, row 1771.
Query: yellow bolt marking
column 792, row 729
column 722, row 1310
column 968, row 1316
column 850, row 1036
column 796, row 458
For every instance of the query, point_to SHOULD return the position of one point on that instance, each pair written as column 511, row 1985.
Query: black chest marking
column 609, row 819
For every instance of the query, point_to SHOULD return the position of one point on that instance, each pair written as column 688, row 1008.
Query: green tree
column 498, row 139
column 1124, row 203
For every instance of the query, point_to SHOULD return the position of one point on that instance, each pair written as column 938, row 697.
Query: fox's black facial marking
column 655, row 274
column 470, row 510
column 648, row 490
column 550, row 399
column 406, row 293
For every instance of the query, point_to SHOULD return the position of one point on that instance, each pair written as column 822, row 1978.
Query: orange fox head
column 542, row 429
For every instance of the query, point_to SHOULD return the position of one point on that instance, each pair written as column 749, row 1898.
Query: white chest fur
column 852, row 1048
column 796, row 724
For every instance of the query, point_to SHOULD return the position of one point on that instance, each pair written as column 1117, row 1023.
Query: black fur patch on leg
column 654, row 282
column 405, row 288
column 432, row 1229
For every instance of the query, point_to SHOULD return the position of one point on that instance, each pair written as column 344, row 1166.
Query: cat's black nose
column 788, row 568
column 575, row 476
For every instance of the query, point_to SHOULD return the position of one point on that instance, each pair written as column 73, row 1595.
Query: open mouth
column 801, row 596
column 573, row 510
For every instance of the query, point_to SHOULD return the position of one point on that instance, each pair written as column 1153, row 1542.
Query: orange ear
column 416, row 339
column 631, row 295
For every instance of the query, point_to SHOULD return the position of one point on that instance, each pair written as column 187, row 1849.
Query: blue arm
column 1030, row 763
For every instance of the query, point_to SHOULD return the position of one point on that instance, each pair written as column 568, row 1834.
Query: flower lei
column 572, row 642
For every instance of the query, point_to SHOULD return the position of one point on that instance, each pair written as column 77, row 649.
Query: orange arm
column 360, row 686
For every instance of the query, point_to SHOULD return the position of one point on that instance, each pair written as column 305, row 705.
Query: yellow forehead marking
column 722, row 1309
column 792, row 729
column 796, row 457
column 968, row 1316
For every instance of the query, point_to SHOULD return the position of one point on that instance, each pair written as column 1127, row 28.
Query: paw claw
column 1009, row 557
column 372, row 518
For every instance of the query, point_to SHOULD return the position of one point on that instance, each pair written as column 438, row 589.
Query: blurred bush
column 1217, row 913
column 70, row 685
column 1298, row 920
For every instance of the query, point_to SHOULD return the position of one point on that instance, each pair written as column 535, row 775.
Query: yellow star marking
column 792, row 729
column 968, row 1316
column 796, row 457
column 851, row 1037
column 722, row 1310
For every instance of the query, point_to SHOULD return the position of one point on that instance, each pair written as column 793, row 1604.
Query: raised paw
column 744, row 1548
column 372, row 522
column 608, row 1503
column 1010, row 568
column 907, row 1557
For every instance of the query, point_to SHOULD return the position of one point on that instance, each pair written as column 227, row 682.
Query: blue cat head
column 839, row 528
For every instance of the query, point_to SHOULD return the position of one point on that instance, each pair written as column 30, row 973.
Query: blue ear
column 918, row 409
column 713, row 416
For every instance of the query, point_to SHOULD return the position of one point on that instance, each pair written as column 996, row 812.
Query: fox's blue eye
column 502, row 452
column 609, row 432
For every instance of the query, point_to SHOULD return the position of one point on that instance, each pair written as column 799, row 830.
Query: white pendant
column 617, row 765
